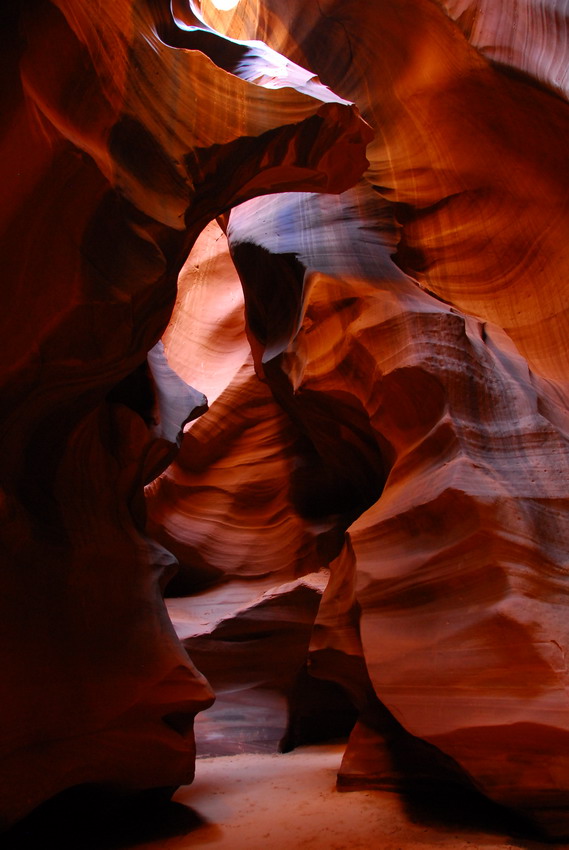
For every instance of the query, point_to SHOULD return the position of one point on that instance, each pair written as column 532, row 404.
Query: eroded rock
column 121, row 142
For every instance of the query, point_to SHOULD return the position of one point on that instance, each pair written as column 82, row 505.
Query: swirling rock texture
column 124, row 134
column 414, row 332
column 241, row 508
column 371, row 518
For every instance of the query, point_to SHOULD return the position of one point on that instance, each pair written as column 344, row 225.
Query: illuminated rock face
column 414, row 332
column 121, row 142
column 378, row 491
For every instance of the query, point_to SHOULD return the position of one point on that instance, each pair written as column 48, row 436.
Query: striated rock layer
column 243, row 510
column 413, row 333
column 124, row 134
column 371, row 518
column 460, row 588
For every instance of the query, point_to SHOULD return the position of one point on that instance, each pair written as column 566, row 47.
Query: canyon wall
column 366, row 531
column 414, row 331
column 122, row 139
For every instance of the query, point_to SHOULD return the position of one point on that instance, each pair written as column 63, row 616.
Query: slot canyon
column 285, row 409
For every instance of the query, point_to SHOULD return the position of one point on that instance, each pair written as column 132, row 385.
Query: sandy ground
column 273, row 802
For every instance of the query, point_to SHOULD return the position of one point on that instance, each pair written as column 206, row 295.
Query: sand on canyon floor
column 271, row 802
column 278, row 801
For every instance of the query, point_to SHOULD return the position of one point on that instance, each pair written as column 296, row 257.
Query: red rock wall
column 120, row 142
column 377, row 494
column 414, row 332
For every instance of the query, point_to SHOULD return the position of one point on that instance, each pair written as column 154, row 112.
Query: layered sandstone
column 414, row 331
column 371, row 517
column 125, row 133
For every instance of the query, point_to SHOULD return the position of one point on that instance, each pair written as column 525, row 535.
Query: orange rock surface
column 414, row 330
column 377, row 495
column 124, row 135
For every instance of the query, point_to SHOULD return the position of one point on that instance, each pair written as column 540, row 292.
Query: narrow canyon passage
column 284, row 423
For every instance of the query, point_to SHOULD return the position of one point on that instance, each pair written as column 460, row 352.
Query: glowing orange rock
column 402, row 419
column 471, row 158
column 468, row 453
column 438, row 401
column 122, row 141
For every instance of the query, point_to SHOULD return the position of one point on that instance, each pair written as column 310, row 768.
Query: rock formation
column 124, row 134
column 370, row 520
column 414, row 331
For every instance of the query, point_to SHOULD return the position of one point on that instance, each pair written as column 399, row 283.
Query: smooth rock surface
column 122, row 131
column 415, row 332
column 371, row 517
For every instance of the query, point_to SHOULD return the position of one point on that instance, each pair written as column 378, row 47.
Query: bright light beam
column 225, row 5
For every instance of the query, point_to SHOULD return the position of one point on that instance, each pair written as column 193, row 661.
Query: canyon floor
column 273, row 802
